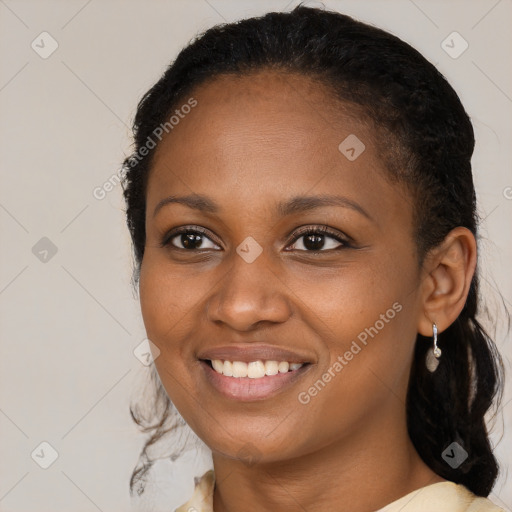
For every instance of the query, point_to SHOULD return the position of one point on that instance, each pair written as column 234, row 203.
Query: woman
column 302, row 209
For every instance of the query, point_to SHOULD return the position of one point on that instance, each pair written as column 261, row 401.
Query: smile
column 253, row 369
column 252, row 381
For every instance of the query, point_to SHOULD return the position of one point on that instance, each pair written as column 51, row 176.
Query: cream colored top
column 438, row 497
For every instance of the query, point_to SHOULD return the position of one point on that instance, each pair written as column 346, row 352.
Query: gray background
column 69, row 318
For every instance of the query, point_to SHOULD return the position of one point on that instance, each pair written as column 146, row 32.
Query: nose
column 249, row 294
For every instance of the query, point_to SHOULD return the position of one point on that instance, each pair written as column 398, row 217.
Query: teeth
column 254, row 369
column 283, row 367
column 271, row 368
column 217, row 365
column 227, row 369
column 239, row 369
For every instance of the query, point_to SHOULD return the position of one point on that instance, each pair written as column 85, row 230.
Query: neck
column 362, row 473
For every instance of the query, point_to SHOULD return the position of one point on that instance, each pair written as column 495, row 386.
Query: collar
column 441, row 497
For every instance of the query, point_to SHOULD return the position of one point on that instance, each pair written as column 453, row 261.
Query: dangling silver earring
column 433, row 353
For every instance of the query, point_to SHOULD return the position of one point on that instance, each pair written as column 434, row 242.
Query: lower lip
column 246, row 389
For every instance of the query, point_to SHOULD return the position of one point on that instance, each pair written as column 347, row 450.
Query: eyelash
column 308, row 230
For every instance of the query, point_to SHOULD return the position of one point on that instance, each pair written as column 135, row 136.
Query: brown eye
column 187, row 239
column 318, row 240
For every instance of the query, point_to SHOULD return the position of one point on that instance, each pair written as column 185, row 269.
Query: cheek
column 154, row 296
column 163, row 305
column 367, row 372
column 348, row 300
column 167, row 310
column 166, row 295
column 366, row 320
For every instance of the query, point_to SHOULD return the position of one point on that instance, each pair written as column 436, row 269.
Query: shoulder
column 483, row 505
column 442, row 497
column 202, row 497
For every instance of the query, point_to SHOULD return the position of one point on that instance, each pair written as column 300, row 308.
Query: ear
column 448, row 271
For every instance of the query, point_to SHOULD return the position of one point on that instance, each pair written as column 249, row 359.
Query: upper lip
column 252, row 352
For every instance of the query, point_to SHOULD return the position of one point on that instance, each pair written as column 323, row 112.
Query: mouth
column 254, row 369
column 252, row 380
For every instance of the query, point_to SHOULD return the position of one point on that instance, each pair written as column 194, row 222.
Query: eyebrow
column 296, row 204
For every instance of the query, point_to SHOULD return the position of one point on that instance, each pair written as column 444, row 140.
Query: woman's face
column 270, row 155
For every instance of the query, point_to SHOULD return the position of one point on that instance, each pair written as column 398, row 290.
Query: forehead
column 273, row 106
column 270, row 131
column 264, row 115
column 266, row 86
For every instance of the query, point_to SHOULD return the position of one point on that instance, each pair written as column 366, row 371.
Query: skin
column 249, row 143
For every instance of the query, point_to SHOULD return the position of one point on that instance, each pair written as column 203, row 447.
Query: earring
column 434, row 353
